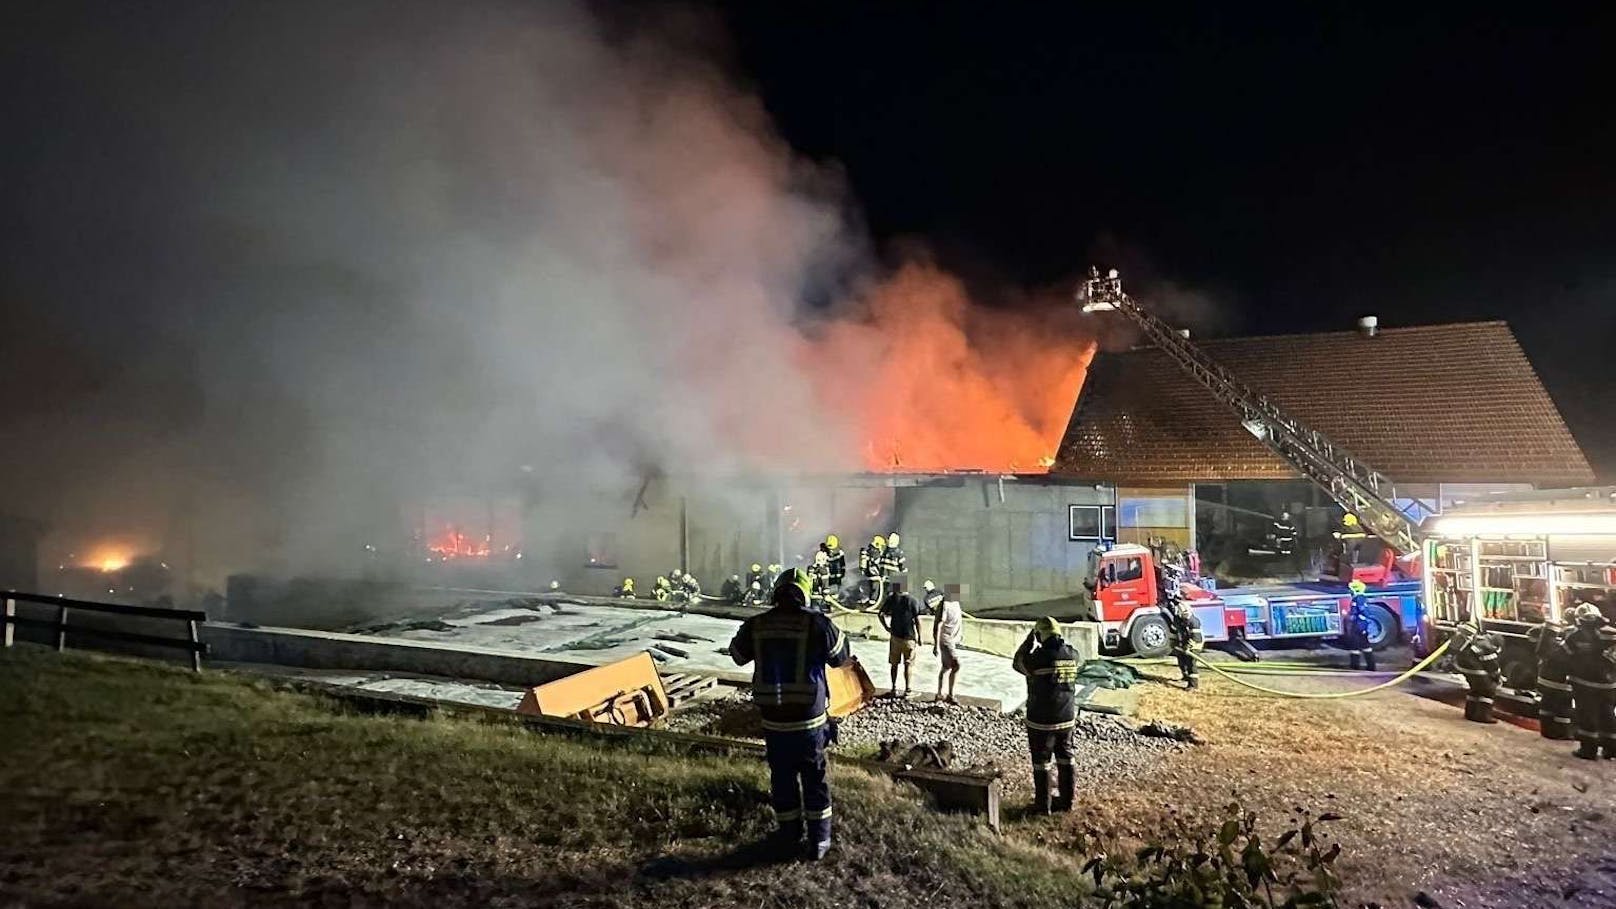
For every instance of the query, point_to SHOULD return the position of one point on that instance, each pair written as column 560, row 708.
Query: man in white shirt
column 947, row 628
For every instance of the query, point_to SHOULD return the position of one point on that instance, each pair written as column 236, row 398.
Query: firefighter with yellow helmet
column 791, row 647
column 1050, row 665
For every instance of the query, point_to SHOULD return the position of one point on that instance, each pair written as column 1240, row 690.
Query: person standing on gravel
column 791, row 646
column 947, row 628
column 1050, row 665
column 900, row 616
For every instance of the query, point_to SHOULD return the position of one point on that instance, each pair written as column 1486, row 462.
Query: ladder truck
column 1126, row 597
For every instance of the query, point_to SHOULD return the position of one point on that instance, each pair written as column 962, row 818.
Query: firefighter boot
column 1352, row 658
column 1040, row 790
column 1369, row 659
column 787, row 837
column 1588, row 751
column 1064, row 782
column 1479, row 709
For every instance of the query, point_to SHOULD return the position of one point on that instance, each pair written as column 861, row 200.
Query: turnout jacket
column 1477, row 655
column 1553, row 661
column 837, row 565
column 1590, row 657
column 1051, row 671
column 790, row 648
column 892, row 561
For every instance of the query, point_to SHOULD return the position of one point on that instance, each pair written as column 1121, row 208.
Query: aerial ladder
column 1354, row 485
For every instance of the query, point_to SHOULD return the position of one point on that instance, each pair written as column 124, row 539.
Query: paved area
column 603, row 634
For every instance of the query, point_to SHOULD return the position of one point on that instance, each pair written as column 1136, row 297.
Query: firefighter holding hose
column 790, row 647
column 1050, row 665
column 1476, row 657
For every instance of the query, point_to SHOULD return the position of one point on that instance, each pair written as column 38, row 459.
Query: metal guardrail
column 64, row 606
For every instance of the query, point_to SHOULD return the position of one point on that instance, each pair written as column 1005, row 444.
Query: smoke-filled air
column 339, row 257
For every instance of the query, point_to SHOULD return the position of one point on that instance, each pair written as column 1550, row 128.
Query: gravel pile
column 1107, row 749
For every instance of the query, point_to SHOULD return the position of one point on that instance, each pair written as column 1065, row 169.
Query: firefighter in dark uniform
column 756, row 576
column 1050, row 665
column 1591, row 656
column 1356, row 630
column 1553, row 680
column 1476, row 656
column 731, row 591
column 893, row 565
column 821, row 593
column 870, row 568
column 790, row 647
column 832, row 548
column 1183, row 628
column 1284, row 534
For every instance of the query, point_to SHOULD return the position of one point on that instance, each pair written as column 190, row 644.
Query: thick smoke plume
column 278, row 271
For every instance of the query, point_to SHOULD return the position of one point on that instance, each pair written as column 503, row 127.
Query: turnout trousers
column 1044, row 745
column 798, row 789
column 1479, row 697
column 1594, row 706
column 1554, row 709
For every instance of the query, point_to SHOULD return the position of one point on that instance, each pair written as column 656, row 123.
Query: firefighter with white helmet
column 1591, row 656
column 1553, row 677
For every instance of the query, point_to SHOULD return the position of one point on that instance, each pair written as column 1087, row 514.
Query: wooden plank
column 107, row 634
column 153, row 612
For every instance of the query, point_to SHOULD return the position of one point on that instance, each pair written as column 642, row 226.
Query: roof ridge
column 1395, row 330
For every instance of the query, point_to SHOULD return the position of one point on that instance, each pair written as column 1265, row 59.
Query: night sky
column 1299, row 167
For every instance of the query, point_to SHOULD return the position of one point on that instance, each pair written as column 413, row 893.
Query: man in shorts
column 947, row 628
column 900, row 616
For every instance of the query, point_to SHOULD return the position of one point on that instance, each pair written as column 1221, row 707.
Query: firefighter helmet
column 1357, row 587
column 879, row 542
column 821, row 558
column 1046, row 628
column 555, row 585
column 791, row 585
column 892, row 540
column 1349, row 520
column 676, row 574
column 756, row 567
column 832, row 540
column 628, row 583
column 661, row 581
column 930, row 585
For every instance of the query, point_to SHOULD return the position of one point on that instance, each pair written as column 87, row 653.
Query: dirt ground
column 1466, row 814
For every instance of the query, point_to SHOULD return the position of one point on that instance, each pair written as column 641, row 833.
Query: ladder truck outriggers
column 1126, row 595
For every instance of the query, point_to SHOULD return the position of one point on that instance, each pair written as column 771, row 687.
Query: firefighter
column 832, row 548
column 755, row 595
column 689, row 589
column 1050, row 665
column 893, row 565
column 821, row 592
column 662, row 590
column 1591, row 661
column 1284, row 534
column 790, row 648
column 1476, row 656
column 731, row 591
column 1356, row 630
column 1553, row 679
column 1184, row 630
column 625, row 590
column 555, row 586
column 870, row 568
column 755, row 576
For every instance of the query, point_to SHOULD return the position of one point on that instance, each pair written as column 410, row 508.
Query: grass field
column 128, row 783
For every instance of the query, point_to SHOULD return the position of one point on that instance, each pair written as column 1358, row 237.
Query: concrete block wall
column 1000, row 552
column 994, row 636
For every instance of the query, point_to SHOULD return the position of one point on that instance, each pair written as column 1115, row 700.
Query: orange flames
column 945, row 385
column 452, row 544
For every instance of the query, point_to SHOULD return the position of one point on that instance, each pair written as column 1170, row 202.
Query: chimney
column 1369, row 326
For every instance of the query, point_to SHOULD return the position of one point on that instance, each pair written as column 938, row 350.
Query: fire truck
column 1520, row 559
column 1385, row 556
column 1127, row 600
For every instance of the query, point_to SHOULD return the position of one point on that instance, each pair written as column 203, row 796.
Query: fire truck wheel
column 1148, row 636
column 1383, row 627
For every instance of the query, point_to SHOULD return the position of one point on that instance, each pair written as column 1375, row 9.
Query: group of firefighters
column 880, row 563
column 1576, row 678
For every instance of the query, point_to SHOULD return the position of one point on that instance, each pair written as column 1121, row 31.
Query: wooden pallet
column 683, row 687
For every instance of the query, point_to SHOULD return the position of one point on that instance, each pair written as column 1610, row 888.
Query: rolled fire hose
column 1334, row 695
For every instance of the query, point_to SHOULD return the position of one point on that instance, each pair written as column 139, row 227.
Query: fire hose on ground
column 1334, row 695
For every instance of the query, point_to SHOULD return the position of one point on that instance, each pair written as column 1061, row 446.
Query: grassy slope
column 129, row 783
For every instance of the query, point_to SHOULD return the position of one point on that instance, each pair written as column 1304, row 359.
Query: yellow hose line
column 1331, row 695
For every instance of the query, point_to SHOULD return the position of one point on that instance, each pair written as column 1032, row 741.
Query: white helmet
column 676, row 574
column 892, row 539
column 930, row 585
column 555, row 585
column 821, row 558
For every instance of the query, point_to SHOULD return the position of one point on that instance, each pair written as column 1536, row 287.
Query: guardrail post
column 11, row 613
column 61, row 628
column 196, row 655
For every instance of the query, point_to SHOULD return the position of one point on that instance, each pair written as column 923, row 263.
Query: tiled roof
column 1439, row 403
